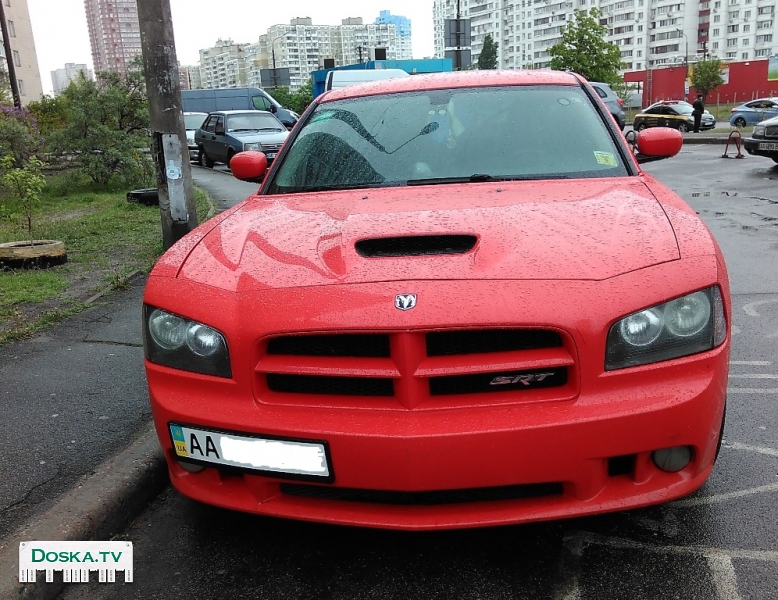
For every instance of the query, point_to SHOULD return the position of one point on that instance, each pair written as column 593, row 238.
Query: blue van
column 248, row 98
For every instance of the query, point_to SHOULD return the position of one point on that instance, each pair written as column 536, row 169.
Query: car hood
column 264, row 137
column 772, row 121
column 575, row 230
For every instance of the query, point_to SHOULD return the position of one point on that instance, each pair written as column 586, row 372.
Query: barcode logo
column 75, row 560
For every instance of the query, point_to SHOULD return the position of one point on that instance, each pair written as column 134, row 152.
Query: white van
column 339, row 79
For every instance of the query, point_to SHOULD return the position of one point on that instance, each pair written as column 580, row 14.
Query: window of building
column 733, row 28
column 17, row 58
column 731, row 54
column 744, row 42
column 715, row 45
column 746, row 28
column 21, row 87
column 11, row 29
column 716, row 31
column 717, row 18
column 717, row 4
column 763, row 52
column 8, row 2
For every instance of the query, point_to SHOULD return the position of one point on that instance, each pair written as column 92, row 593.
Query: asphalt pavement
column 76, row 393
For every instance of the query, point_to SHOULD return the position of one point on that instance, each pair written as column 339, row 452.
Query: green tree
column 19, row 135
column 706, row 77
column 297, row 101
column 50, row 113
column 107, row 127
column 26, row 183
column 488, row 57
column 585, row 51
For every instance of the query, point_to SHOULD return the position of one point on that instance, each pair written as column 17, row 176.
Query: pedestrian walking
column 699, row 108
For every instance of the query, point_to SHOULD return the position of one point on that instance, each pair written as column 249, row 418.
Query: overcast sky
column 60, row 31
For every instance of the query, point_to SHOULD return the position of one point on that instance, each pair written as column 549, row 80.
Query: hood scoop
column 415, row 245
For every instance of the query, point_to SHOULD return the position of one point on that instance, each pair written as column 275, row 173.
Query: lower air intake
column 490, row 494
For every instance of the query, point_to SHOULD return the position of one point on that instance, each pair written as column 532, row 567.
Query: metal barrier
column 738, row 139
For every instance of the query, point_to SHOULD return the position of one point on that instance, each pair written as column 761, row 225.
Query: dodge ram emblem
column 405, row 301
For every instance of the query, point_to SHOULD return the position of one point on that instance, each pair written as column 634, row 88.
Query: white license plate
column 289, row 457
column 271, row 154
column 764, row 146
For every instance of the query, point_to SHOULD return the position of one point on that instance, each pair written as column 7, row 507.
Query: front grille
column 337, row 386
column 364, row 344
column 498, row 382
column 416, row 368
column 271, row 147
column 491, row 494
column 416, row 245
column 771, row 131
column 450, row 343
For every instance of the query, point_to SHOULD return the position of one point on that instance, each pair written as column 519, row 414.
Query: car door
column 220, row 140
column 207, row 136
column 653, row 116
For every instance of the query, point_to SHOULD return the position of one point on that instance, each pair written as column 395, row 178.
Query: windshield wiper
column 481, row 177
column 332, row 187
column 270, row 129
column 248, row 129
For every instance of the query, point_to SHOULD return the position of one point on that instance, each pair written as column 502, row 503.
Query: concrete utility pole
column 168, row 145
column 9, row 59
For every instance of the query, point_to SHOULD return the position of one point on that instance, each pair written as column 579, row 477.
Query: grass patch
column 107, row 239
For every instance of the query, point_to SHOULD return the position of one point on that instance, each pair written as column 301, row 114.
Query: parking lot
column 722, row 542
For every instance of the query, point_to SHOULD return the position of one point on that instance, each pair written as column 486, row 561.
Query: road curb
column 97, row 509
column 705, row 140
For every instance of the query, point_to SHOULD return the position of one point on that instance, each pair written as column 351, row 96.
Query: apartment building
column 223, row 65
column 649, row 33
column 114, row 33
column 23, row 54
column 403, row 25
column 61, row 78
column 302, row 47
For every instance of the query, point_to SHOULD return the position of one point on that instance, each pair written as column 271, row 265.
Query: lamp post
column 686, row 54
column 273, row 54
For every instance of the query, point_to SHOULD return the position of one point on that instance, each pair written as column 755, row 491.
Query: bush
column 106, row 130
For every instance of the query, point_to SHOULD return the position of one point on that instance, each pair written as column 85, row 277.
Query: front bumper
column 457, row 445
column 752, row 147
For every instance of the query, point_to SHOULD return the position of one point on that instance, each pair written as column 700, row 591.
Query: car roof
column 240, row 112
column 457, row 79
column 195, row 113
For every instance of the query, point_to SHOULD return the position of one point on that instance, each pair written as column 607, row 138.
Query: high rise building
column 649, row 33
column 114, row 33
column 223, row 65
column 403, row 25
column 302, row 47
column 23, row 54
column 61, row 78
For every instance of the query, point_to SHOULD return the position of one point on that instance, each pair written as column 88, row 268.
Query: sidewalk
column 80, row 458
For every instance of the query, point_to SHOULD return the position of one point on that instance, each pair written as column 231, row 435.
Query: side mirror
column 657, row 143
column 273, row 108
column 249, row 166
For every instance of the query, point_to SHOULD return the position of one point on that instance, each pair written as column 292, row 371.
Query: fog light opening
column 190, row 466
column 673, row 459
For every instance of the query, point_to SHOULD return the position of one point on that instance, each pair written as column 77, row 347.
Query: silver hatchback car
column 612, row 101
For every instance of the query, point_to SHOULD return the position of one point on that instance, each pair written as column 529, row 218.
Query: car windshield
column 253, row 121
column 683, row 109
column 450, row 135
column 194, row 121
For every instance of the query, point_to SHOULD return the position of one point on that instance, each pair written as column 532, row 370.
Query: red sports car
column 455, row 301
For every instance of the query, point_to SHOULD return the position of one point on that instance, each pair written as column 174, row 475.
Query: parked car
column 672, row 113
column 192, row 122
column 753, row 112
column 764, row 139
column 612, row 101
column 437, row 312
column 228, row 132
column 248, row 98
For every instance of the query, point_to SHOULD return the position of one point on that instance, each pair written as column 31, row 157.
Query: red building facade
column 744, row 81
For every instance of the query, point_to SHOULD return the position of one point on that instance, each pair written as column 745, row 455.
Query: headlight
column 179, row 343
column 253, row 146
column 759, row 129
column 687, row 325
